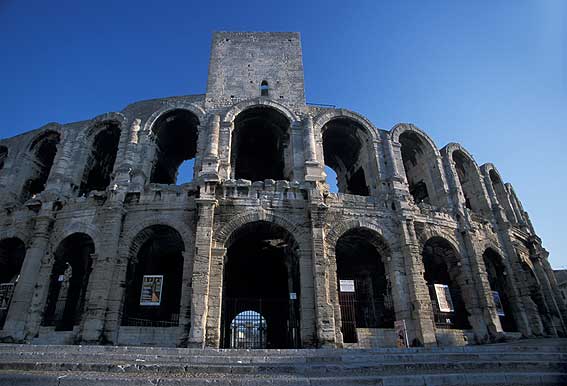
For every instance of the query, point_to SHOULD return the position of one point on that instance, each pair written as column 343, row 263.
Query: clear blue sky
column 488, row 74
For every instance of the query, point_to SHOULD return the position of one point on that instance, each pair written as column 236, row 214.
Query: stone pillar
column 213, row 334
column 421, row 326
column 313, row 170
column 201, row 271
column 185, row 306
column 23, row 317
column 324, row 310
column 553, row 309
column 210, row 163
column 100, row 280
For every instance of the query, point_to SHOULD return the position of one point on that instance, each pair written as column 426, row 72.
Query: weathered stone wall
column 207, row 213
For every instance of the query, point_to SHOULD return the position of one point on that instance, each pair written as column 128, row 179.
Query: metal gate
column 253, row 323
column 348, row 316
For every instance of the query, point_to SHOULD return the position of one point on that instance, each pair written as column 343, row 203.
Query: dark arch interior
column 12, row 253
column 68, row 283
column 464, row 166
column 440, row 264
column 359, row 254
column 160, row 252
column 177, row 133
column 3, row 156
column 260, row 142
column 261, row 271
column 100, row 162
column 43, row 152
column 345, row 150
column 416, row 166
column 499, row 282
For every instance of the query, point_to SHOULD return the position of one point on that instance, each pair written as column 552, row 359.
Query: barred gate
column 256, row 323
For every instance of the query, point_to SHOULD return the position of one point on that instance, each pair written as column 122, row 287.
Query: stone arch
column 260, row 269
column 40, row 158
column 499, row 279
column 191, row 107
column 238, row 108
column 468, row 177
column 357, row 250
column 156, row 258
column 68, row 283
column 102, row 138
column 442, row 267
column 134, row 230
column 323, row 118
column 71, row 227
column 421, row 162
column 349, row 148
column 222, row 234
column 497, row 190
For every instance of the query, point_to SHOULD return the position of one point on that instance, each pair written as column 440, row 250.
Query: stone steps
column 543, row 362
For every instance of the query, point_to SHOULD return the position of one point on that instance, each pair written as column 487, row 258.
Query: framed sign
column 444, row 298
column 6, row 292
column 498, row 303
column 151, row 290
column 346, row 285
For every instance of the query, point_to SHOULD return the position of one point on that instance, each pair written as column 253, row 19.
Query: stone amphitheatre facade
column 99, row 245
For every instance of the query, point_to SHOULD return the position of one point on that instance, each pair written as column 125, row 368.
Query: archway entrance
column 12, row 253
column 498, row 280
column 443, row 275
column 261, row 289
column 69, row 281
column 364, row 291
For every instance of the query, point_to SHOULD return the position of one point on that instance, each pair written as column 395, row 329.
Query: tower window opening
column 264, row 88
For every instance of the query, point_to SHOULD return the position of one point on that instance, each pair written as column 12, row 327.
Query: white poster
column 498, row 303
column 346, row 285
column 151, row 290
column 444, row 298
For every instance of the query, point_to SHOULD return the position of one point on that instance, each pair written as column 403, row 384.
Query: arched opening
column 497, row 278
column 501, row 195
column 100, row 162
column 264, row 90
column 260, row 145
column 154, row 278
column 419, row 162
column 176, row 144
column 68, row 282
column 261, row 274
column 364, row 289
column 442, row 274
column 248, row 330
column 347, row 150
column 43, row 151
column 469, row 180
column 3, row 156
column 12, row 253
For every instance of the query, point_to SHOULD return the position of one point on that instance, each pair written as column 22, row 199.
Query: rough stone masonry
column 99, row 244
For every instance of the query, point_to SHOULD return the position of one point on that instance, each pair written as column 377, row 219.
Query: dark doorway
column 154, row 279
column 364, row 291
column 441, row 266
column 43, row 151
column 69, row 281
column 498, row 280
column 261, row 275
column 260, row 142
column 12, row 253
column 177, row 132
column 347, row 153
column 100, row 163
